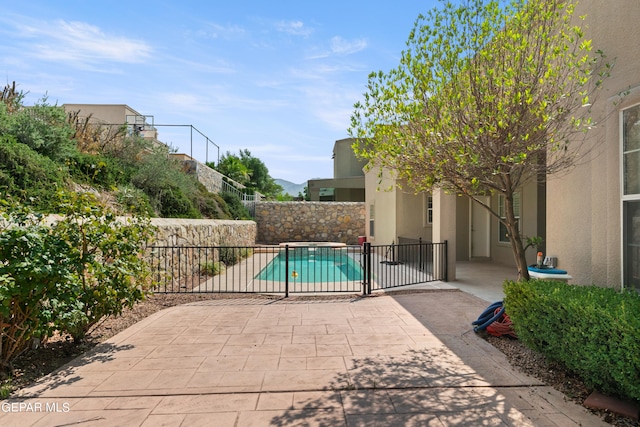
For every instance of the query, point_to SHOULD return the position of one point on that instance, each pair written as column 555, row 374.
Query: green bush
column 212, row 268
column 231, row 255
column 27, row 176
column 211, row 205
column 97, row 170
column 35, row 281
column 42, row 127
column 107, row 257
column 133, row 201
column 171, row 192
column 593, row 331
column 67, row 276
column 235, row 206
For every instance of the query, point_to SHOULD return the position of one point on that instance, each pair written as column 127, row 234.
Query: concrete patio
column 407, row 359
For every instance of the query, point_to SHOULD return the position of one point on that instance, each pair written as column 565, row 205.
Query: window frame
column 427, row 217
column 503, row 237
column 627, row 199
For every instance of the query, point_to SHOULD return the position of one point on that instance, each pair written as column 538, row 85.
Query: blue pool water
column 312, row 266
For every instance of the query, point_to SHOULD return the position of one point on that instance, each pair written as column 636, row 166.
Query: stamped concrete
column 404, row 359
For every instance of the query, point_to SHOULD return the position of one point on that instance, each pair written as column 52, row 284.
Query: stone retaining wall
column 190, row 242
column 310, row 221
column 204, row 232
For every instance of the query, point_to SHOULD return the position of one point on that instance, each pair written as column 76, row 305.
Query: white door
column 480, row 224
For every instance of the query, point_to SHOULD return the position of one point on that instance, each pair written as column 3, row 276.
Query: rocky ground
column 39, row 362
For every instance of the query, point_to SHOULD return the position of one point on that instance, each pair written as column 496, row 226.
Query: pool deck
column 407, row 359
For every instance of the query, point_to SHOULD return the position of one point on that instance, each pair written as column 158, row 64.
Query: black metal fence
column 296, row 268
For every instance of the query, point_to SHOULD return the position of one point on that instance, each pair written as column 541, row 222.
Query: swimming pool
column 312, row 265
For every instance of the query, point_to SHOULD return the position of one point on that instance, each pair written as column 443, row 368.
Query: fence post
column 367, row 268
column 420, row 254
column 286, row 271
column 446, row 262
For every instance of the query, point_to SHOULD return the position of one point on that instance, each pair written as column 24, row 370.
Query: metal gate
column 296, row 268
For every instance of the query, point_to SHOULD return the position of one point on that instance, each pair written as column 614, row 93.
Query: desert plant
column 133, row 200
column 44, row 129
column 169, row 189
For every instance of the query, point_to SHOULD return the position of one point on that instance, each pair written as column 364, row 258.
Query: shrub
column 593, row 331
column 236, row 209
column 27, row 176
column 34, row 276
column 169, row 189
column 211, row 205
column 106, row 255
column 69, row 275
column 212, row 268
column 133, row 200
column 97, row 170
column 44, row 128
column 231, row 255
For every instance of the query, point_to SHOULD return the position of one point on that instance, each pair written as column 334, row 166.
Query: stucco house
column 589, row 217
column 115, row 115
column 593, row 213
column 347, row 184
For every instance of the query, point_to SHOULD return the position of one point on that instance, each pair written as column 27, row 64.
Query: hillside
column 43, row 150
column 291, row 188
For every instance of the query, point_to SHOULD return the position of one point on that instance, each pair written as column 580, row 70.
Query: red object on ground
column 502, row 326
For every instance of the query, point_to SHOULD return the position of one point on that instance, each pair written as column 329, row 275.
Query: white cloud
column 340, row 46
column 296, row 28
column 218, row 31
column 80, row 43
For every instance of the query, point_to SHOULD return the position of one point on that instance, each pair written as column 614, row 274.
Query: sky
column 278, row 78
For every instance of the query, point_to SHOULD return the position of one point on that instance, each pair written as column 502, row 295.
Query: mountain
column 291, row 188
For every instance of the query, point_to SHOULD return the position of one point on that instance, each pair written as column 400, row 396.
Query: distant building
column 115, row 115
column 347, row 184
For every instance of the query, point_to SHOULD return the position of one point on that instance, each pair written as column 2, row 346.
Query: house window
column 631, row 195
column 503, row 236
column 372, row 215
column 428, row 210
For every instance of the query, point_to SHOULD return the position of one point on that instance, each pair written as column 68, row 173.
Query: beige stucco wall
column 310, row 221
column 584, row 206
column 348, row 175
column 410, row 218
column 345, row 163
column 114, row 114
column 380, row 193
column 462, row 228
column 109, row 113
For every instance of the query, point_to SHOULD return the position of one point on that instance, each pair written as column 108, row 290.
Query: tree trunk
column 515, row 238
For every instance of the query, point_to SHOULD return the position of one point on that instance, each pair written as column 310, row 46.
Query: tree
column 232, row 167
column 249, row 171
column 485, row 100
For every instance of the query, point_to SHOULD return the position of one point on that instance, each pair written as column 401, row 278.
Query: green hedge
column 593, row 331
